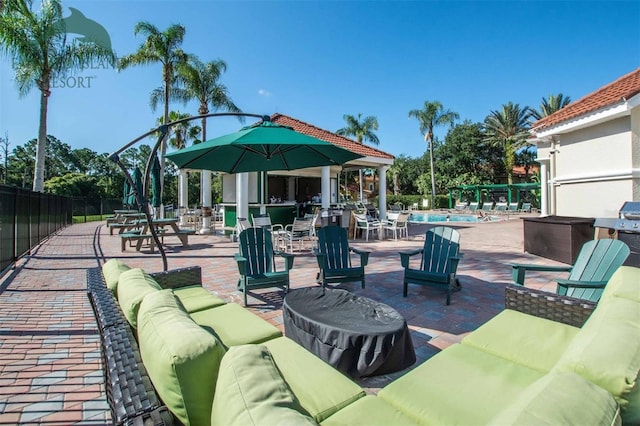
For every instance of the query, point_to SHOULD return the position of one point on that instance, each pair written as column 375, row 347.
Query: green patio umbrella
column 263, row 147
column 126, row 190
column 137, row 182
column 155, row 183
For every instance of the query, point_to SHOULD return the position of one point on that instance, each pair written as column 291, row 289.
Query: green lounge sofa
column 521, row 367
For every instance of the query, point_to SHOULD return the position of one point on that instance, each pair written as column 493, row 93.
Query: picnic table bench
column 143, row 234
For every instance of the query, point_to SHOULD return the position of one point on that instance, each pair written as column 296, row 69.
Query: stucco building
column 589, row 152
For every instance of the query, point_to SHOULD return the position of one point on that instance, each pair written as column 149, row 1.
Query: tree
column 183, row 132
column 201, row 82
column 41, row 52
column 508, row 128
column 526, row 158
column 431, row 116
column 159, row 47
column 465, row 158
column 363, row 130
column 549, row 106
column 396, row 170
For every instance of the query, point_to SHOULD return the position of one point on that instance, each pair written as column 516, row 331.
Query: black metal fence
column 26, row 219
column 84, row 208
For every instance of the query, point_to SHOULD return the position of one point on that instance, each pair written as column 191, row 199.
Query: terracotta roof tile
column 610, row 95
column 325, row 135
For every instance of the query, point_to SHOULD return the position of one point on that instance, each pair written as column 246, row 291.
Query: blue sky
column 319, row 60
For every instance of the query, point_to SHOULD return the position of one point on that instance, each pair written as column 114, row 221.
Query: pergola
column 479, row 190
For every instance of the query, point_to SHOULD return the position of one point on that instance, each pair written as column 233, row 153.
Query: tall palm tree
column 527, row 159
column 362, row 129
column 161, row 47
column 183, row 132
column 41, row 53
column 508, row 128
column 201, row 82
column 431, row 116
column 549, row 106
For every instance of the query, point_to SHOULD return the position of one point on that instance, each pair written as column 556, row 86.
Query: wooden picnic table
column 164, row 228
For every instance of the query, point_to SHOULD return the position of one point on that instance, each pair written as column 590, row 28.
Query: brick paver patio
column 50, row 369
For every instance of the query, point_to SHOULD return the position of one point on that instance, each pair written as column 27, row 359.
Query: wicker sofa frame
column 130, row 394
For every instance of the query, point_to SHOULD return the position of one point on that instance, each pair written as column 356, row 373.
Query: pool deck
column 50, row 370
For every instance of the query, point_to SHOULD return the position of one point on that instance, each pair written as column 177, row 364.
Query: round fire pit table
column 355, row 334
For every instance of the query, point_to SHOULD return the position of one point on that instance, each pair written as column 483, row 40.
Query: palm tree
column 508, row 128
column 183, row 132
column 362, row 129
column 527, row 159
column 431, row 116
column 159, row 47
column 38, row 47
column 201, row 82
column 551, row 105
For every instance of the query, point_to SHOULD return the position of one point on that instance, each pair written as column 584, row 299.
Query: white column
column 242, row 195
column 325, row 187
column 205, row 198
column 544, row 186
column 183, row 194
column 382, row 191
column 291, row 189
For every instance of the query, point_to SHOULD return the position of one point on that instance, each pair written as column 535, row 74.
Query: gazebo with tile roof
column 589, row 152
column 326, row 179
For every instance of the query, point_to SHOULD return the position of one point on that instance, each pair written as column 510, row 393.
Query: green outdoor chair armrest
column 242, row 263
column 364, row 256
column 581, row 284
column 321, row 258
column 406, row 255
column 518, row 270
column 288, row 259
column 454, row 260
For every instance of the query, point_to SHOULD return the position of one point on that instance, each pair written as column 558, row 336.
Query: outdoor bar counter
column 280, row 213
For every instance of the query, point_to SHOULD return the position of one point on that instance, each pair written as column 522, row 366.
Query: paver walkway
column 50, row 369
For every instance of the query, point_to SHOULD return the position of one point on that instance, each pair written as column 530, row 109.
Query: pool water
column 431, row 218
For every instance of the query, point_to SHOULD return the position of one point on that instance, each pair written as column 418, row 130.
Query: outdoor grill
column 627, row 225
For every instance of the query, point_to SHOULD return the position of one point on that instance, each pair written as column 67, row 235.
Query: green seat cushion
column 111, row 271
column 606, row 352
column 625, row 283
column 369, row 411
column 561, row 399
column 524, row 339
column 133, row 286
column 182, row 359
column 195, row 298
column 253, row 392
column 460, row 385
column 234, row 325
column 321, row 389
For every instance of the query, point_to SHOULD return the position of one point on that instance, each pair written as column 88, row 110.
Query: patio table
column 357, row 335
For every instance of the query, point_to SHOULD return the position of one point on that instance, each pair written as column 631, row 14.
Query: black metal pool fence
column 26, row 219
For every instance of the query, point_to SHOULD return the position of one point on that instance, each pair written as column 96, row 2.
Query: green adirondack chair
column 334, row 257
column 595, row 264
column 257, row 262
column 438, row 261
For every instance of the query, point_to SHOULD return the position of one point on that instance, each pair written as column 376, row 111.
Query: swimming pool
column 432, row 218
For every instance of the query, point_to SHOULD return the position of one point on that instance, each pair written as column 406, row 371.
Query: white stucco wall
column 593, row 199
column 594, row 168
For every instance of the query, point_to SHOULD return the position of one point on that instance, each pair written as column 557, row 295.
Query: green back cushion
column 606, row 352
column 369, row 411
column 625, row 283
column 181, row 358
column 560, row 399
column 321, row 389
column 254, row 392
column 111, row 271
column 133, row 286
column 524, row 339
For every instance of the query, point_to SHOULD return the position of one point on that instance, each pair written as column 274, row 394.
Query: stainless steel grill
column 627, row 225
